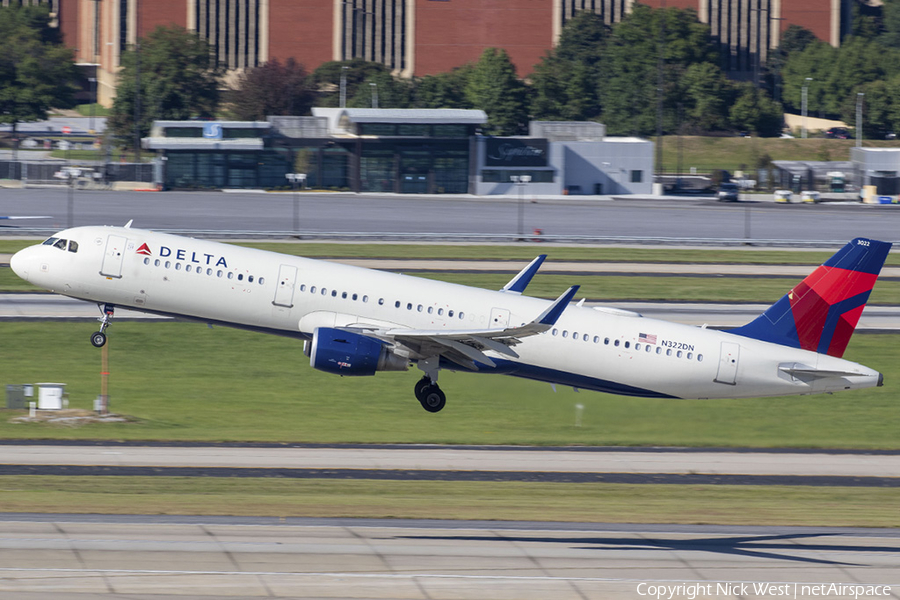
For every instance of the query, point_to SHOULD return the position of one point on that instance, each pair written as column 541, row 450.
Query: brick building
column 412, row 37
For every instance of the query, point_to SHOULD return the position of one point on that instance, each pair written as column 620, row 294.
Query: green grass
column 583, row 502
column 98, row 110
column 732, row 153
column 187, row 382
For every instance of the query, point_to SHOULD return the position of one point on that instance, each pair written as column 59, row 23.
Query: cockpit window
column 73, row 246
column 60, row 243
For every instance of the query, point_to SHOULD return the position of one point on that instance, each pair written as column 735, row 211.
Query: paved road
column 446, row 458
column 567, row 216
column 48, row 557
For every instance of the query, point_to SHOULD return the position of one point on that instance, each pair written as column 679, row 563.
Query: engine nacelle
column 347, row 353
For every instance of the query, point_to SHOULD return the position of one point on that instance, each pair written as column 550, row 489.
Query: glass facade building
column 362, row 150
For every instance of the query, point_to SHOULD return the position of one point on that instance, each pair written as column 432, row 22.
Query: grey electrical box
column 15, row 396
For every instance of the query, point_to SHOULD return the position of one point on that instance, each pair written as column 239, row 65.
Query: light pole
column 803, row 104
column 93, row 82
column 520, row 181
column 344, row 86
column 296, row 179
column 859, row 107
column 374, row 87
column 137, row 82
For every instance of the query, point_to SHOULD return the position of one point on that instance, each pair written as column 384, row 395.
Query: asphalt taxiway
column 93, row 557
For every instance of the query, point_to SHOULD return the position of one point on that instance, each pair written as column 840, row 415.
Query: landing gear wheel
column 433, row 399
column 420, row 388
column 98, row 338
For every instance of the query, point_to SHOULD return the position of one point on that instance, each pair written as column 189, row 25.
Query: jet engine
column 346, row 353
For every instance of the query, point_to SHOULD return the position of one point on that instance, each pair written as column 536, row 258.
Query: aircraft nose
column 20, row 263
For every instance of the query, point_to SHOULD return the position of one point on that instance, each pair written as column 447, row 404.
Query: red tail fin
column 822, row 311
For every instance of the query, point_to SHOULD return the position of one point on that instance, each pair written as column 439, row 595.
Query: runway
column 441, row 217
column 85, row 557
column 454, row 458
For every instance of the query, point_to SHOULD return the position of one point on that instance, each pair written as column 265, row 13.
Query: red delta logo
column 144, row 250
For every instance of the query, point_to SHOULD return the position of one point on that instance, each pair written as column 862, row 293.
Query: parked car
column 728, row 192
column 838, row 133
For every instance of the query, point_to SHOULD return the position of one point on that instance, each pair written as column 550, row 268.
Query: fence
column 45, row 172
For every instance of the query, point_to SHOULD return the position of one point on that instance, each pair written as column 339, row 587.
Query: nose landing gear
column 98, row 338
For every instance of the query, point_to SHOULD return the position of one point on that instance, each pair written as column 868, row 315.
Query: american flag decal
column 649, row 338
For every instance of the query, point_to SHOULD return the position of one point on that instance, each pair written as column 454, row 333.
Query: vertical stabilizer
column 822, row 311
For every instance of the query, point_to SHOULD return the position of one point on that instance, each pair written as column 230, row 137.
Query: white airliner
column 357, row 321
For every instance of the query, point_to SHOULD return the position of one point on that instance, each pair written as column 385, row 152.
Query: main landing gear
column 430, row 395
column 98, row 338
column 427, row 391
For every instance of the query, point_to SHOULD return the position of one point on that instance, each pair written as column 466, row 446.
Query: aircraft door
column 284, row 293
column 728, row 363
column 114, row 256
column 499, row 318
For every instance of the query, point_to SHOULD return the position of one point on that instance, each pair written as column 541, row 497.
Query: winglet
column 553, row 312
column 518, row 283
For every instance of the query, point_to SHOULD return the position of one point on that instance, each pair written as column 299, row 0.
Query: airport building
column 424, row 151
column 411, row 37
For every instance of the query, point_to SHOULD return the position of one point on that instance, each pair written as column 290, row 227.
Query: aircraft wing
column 466, row 347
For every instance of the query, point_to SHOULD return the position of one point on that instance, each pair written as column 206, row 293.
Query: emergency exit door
column 284, row 292
column 728, row 363
column 499, row 318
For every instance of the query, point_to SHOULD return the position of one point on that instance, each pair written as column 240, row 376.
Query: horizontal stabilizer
column 804, row 372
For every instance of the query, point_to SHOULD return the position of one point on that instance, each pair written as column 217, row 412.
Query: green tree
column 837, row 73
column 814, row 62
column 755, row 111
column 37, row 72
column 566, row 82
column 891, row 22
column 629, row 71
column 271, row 89
column 794, row 40
column 880, row 109
column 444, row 90
column 494, row 88
column 178, row 81
column 327, row 79
column 866, row 21
column 392, row 92
column 707, row 96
